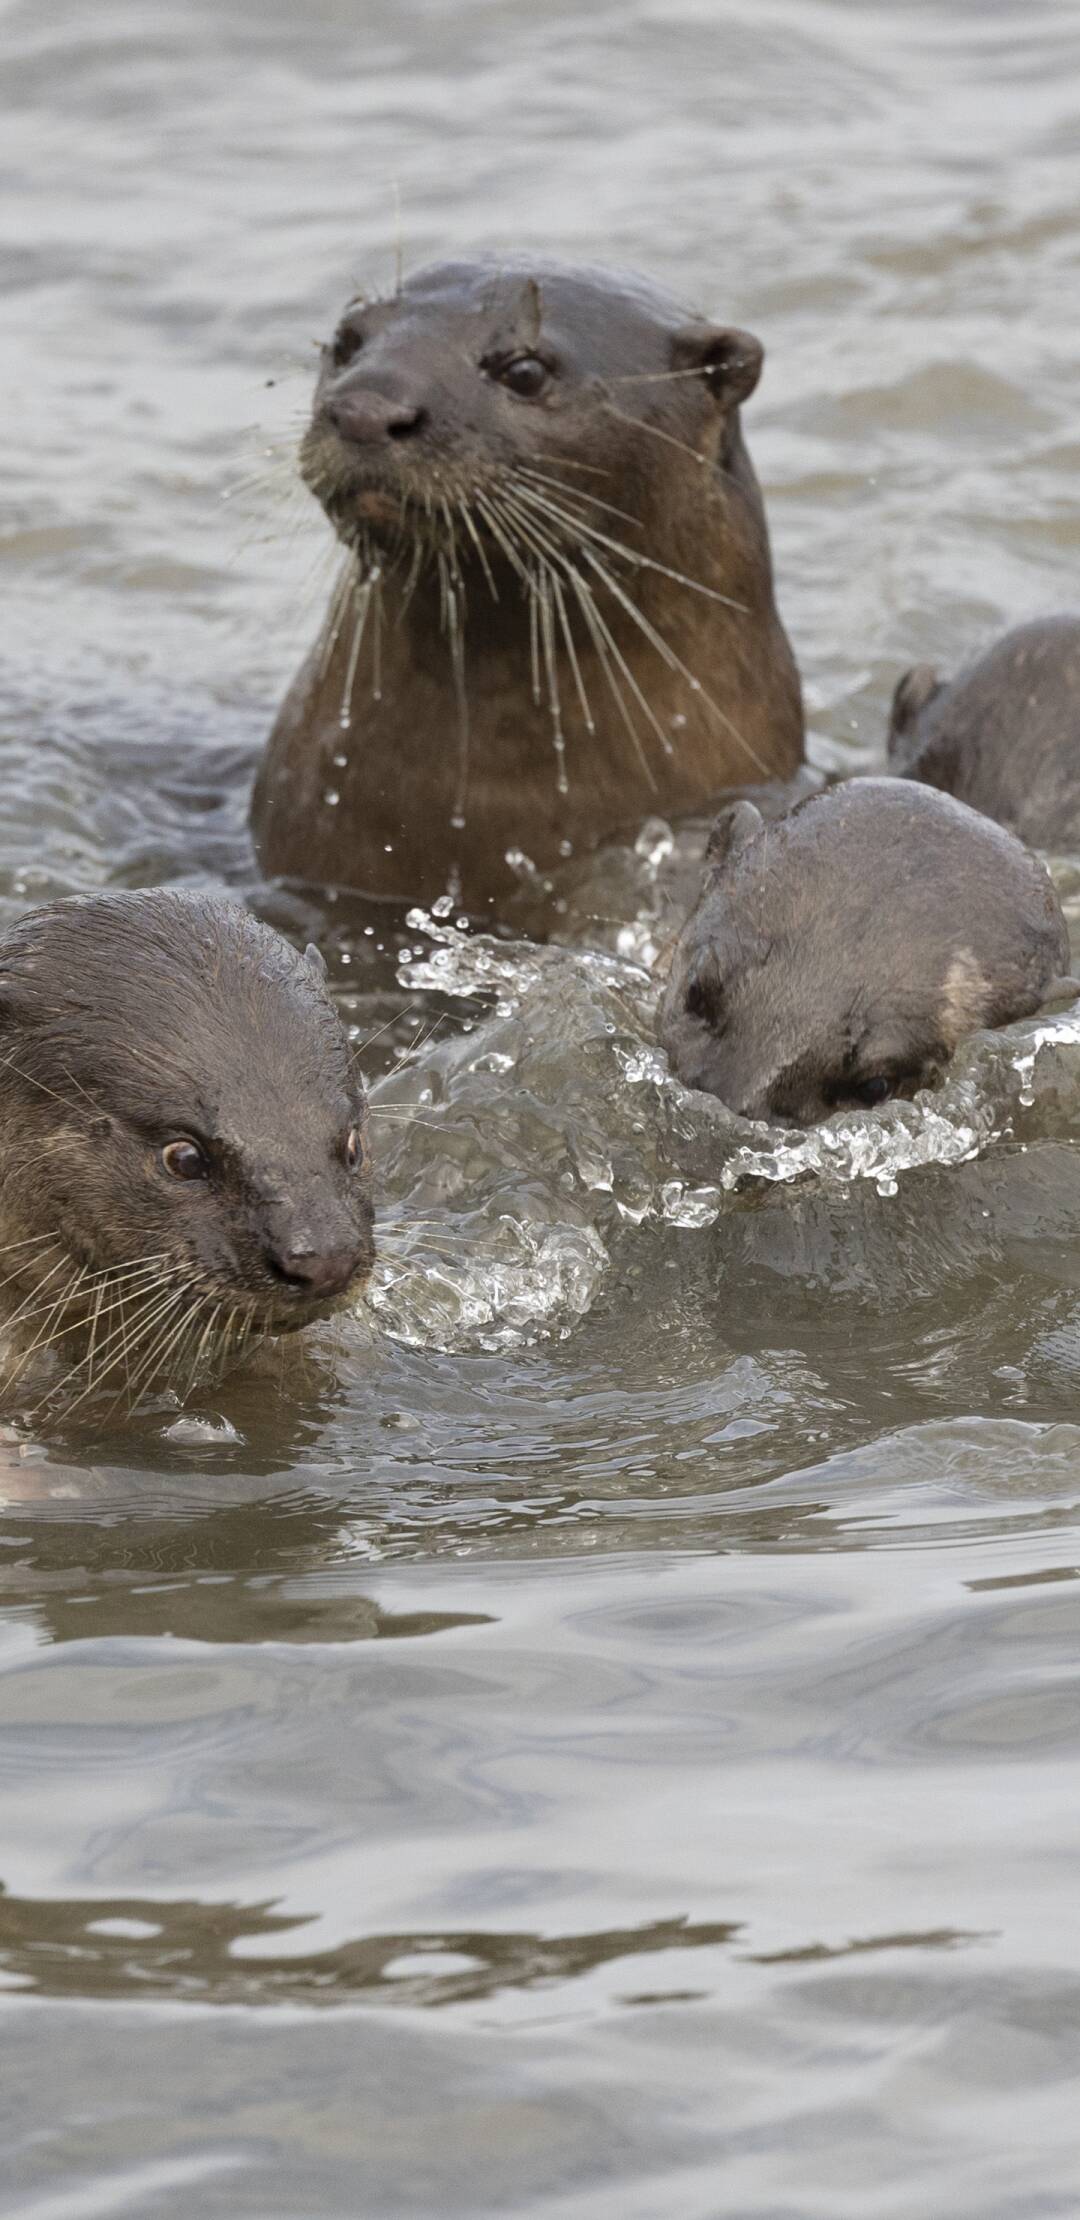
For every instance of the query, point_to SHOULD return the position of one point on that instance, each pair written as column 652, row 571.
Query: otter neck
column 462, row 725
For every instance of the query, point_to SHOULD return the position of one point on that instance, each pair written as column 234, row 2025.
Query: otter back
column 1005, row 734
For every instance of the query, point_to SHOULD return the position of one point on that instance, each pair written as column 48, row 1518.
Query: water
column 597, row 1736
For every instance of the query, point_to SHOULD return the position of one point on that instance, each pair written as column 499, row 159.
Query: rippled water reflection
column 596, row 1736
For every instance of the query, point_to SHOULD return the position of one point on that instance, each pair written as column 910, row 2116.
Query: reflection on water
column 648, row 1634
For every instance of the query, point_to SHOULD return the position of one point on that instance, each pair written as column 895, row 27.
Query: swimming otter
column 1005, row 734
column 837, row 958
column 183, row 1154
column 557, row 616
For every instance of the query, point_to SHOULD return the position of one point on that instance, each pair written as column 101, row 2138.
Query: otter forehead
column 169, row 1001
column 603, row 318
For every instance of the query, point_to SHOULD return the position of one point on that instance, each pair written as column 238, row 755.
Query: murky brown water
column 600, row 1738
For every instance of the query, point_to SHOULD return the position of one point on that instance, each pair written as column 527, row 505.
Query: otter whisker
column 455, row 623
column 663, row 648
column 571, row 650
column 466, row 517
column 534, row 638
column 423, row 1034
column 597, row 631
column 630, row 555
column 28, row 1241
column 606, row 646
column 21, row 1267
column 75, row 1109
column 498, row 532
column 547, row 634
column 128, row 1295
column 361, row 602
column 124, row 1340
column 45, row 1336
column 160, row 1345
column 340, row 598
column 639, row 424
column 575, row 493
column 16, row 1315
column 673, row 661
column 207, row 1335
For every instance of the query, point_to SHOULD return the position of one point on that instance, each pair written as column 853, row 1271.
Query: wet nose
column 367, row 419
column 312, row 1271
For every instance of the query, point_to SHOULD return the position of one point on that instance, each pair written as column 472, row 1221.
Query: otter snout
column 368, row 419
column 321, row 1273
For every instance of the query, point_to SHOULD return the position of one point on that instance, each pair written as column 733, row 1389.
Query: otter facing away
column 557, row 611
column 838, row 957
column 1005, row 734
column 183, row 1154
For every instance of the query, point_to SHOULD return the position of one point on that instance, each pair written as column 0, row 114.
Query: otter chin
column 184, row 1158
column 556, row 616
column 838, row 957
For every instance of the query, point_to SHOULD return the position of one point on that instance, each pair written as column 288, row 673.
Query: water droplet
column 458, row 822
column 566, row 847
column 678, row 722
column 339, row 762
column 331, row 797
column 442, row 906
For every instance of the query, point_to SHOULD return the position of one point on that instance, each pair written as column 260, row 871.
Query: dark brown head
column 476, row 371
column 180, row 1121
column 836, row 958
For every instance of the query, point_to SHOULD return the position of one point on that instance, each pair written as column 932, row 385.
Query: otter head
column 449, row 414
column 183, row 1152
column 837, row 957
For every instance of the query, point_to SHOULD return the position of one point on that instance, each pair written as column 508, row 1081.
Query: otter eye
column 355, row 1149
column 869, row 1092
column 526, row 376
column 184, row 1160
column 345, row 344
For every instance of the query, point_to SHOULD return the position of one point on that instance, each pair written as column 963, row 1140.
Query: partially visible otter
column 837, row 958
column 183, row 1153
column 1005, row 734
column 558, row 614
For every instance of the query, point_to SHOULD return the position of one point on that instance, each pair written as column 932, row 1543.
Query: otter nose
column 368, row 418
column 316, row 1271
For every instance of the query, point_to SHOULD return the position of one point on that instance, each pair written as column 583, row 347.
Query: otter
column 837, row 957
column 1004, row 735
column 557, row 612
column 183, row 1138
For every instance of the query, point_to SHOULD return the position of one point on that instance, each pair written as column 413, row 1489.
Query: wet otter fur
column 1005, row 734
column 557, row 616
column 837, row 957
column 183, row 1155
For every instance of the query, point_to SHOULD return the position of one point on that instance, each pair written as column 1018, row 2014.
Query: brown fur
column 436, row 780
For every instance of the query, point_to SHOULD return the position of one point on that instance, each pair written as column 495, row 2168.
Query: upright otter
column 557, row 615
column 1005, row 734
column 837, row 958
column 183, row 1160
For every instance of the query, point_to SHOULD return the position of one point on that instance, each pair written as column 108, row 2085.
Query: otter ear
column 914, row 692
column 729, row 360
column 315, row 959
column 732, row 831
